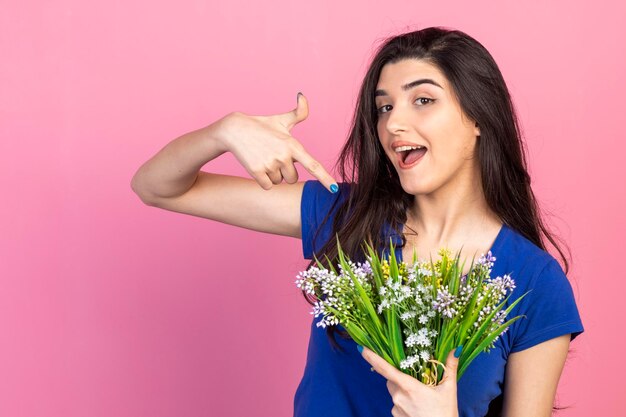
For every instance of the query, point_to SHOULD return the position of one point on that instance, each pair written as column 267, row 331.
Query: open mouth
column 410, row 156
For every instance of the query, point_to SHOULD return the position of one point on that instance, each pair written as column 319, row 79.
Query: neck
column 452, row 215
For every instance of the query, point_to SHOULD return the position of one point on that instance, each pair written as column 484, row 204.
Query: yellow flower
column 403, row 272
column 385, row 268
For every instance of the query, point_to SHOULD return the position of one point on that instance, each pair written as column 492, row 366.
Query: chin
column 415, row 187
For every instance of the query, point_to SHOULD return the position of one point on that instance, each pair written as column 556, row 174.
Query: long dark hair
column 376, row 196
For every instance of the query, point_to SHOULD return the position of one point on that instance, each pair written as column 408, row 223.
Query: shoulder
column 317, row 201
column 518, row 249
column 531, row 267
column 548, row 308
column 318, row 207
column 524, row 261
column 314, row 190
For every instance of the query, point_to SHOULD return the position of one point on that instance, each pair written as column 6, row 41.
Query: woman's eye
column 380, row 109
column 425, row 98
column 422, row 100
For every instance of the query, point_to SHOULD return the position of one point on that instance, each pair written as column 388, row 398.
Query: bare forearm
column 174, row 169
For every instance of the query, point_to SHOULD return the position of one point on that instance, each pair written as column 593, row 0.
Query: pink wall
column 112, row 308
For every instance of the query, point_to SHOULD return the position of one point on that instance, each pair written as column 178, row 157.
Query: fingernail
column 360, row 348
column 457, row 352
column 299, row 94
column 334, row 188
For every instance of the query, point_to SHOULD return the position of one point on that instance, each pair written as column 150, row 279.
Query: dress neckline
column 495, row 245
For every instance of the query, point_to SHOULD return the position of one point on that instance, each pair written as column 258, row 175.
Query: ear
column 477, row 130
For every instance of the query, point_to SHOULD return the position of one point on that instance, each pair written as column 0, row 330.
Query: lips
column 397, row 143
column 408, row 158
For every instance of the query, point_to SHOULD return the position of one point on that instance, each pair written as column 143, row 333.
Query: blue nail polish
column 457, row 352
column 360, row 348
column 334, row 188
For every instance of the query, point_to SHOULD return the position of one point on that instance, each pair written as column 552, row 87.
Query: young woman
column 434, row 159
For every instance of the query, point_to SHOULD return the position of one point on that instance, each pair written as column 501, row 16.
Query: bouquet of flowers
column 412, row 316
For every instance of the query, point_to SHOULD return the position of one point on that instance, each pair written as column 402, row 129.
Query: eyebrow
column 410, row 85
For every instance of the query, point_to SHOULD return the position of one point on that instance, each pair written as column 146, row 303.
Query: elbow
column 142, row 194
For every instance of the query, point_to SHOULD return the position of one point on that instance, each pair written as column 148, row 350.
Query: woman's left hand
column 412, row 398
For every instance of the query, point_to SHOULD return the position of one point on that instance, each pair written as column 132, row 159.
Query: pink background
column 109, row 307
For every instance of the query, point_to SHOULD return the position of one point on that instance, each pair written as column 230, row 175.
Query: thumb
column 452, row 365
column 295, row 116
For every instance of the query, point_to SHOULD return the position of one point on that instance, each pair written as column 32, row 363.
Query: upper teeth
column 408, row 148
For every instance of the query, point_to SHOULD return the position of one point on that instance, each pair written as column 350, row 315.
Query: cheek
column 380, row 130
column 438, row 128
column 451, row 136
column 381, row 138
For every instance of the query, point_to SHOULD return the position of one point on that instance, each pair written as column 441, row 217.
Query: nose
column 397, row 120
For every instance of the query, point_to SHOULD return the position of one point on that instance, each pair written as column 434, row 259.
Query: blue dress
column 340, row 384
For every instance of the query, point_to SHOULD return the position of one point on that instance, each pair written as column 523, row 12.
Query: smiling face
column 424, row 121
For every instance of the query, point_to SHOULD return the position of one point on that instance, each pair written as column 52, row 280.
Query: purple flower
column 443, row 303
column 502, row 284
column 486, row 260
column 365, row 267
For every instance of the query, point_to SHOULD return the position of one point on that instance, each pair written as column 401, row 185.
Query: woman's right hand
column 266, row 149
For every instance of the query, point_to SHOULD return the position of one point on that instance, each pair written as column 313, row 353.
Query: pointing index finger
column 316, row 169
column 383, row 367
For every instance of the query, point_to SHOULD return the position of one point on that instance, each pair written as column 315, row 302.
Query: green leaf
column 395, row 335
column 376, row 267
column 486, row 342
column 478, row 336
column 393, row 263
column 362, row 339
column 469, row 317
column 367, row 304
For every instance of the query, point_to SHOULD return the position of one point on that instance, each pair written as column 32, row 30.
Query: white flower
column 406, row 291
column 425, row 271
column 421, row 338
column 408, row 315
column 408, row 362
column 383, row 305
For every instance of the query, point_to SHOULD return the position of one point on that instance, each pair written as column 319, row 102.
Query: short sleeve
column 315, row 204
column 550, row 310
